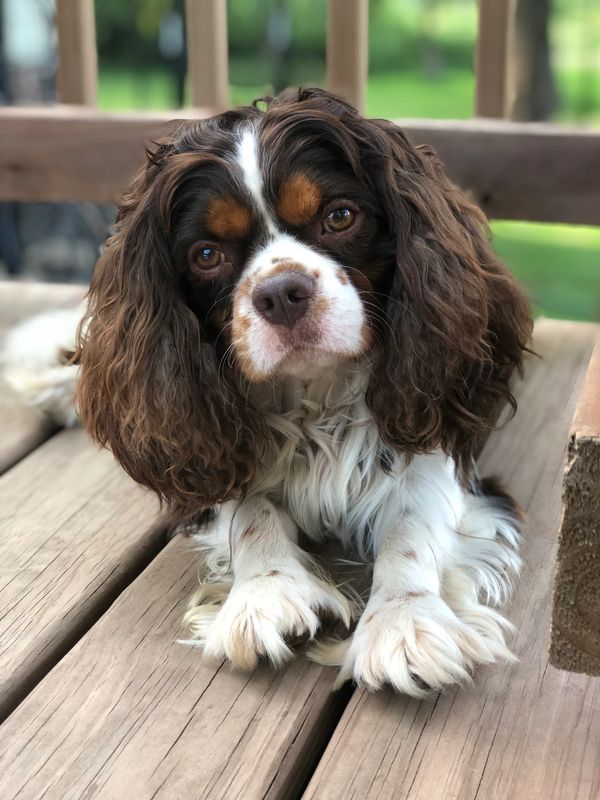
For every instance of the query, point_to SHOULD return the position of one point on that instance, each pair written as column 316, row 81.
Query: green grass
column 559, row 264
column 120, row 89
column 414, row 94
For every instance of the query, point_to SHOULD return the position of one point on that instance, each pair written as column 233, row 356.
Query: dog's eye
column 340, row 219
column 205, row 256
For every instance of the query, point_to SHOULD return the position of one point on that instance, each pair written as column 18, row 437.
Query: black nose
column 284, row 298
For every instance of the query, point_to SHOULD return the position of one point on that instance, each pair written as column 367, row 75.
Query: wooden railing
column 72, row 151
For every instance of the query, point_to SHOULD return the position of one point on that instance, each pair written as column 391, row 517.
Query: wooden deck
column 98, row 700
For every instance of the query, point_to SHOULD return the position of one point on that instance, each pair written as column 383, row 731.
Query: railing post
column 496, row 19
column 77, row 72
column 348, row 49
column 207, row 53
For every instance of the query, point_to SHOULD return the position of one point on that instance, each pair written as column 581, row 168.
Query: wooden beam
column 77, row 72
column 528, row 171
column 491, row 58
column 575, row 644
column 348, row 49
column 207, row 53
column 62, row 153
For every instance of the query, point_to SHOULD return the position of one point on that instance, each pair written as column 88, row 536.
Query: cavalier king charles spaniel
column 299, row 328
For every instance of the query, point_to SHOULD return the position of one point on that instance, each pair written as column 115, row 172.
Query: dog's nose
column 284, row 298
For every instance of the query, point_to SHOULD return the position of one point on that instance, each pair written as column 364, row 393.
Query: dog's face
column 260, row 244
column 284, row 249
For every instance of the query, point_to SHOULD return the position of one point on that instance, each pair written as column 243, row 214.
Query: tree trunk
column 534, row 89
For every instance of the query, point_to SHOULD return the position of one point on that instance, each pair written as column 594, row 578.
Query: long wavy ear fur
column 460, row 321
column 150, row 386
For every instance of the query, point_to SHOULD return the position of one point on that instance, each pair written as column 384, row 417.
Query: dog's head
column 259, row 244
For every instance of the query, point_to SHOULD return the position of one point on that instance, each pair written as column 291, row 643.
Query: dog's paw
column 263, row 614
column 416, row 644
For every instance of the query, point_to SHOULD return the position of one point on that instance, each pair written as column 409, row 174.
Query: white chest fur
column 329, row 469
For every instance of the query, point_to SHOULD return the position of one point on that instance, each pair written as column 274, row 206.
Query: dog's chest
column 331, row 471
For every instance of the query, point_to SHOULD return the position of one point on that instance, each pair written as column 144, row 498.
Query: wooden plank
column 524, row 730
column 530, row 171
column 22, row 429
column 63, row 153
column 207, row 53
column 348, row 49
column 74, row 530
column 77, row 71
column 491, row 57
column 575, row 642
column 130, row 707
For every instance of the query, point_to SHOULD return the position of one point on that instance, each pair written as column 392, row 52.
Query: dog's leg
column 485, row 560
column 271, row 595
column 408, row 636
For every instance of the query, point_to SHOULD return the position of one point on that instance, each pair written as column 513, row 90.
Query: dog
column 299, row 327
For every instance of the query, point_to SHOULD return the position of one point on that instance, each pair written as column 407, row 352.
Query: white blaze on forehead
column 247, row 159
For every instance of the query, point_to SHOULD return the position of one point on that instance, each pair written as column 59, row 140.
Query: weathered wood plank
column 515, row 170
column 74, row 530
column 77, row 71
column 348, row 49
column 23, row 429
column 207, row 53
column 67, row 153
column 130, row 707
column 491, row 57
column 575, row 643
column 524, row 730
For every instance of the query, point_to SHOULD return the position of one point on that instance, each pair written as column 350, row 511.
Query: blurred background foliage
column 420, row 65
column 421, row 55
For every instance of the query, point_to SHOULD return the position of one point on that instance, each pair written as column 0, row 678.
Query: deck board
column 129, row 706
column 522, row 731
column 74, row 528
column 22, row 429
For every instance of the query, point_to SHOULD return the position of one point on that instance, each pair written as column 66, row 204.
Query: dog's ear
column 150, row 385
column 459, row 320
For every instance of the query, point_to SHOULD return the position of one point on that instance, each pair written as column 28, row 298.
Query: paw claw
column 417, row 645
column 263, row 614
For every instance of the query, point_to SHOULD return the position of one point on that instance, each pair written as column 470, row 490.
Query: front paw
column 262, row 614
column 414, row 643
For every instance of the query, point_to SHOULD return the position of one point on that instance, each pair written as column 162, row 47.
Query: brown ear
column 150, row 385
column 460, row 321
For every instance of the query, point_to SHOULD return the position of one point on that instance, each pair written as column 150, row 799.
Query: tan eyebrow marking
column 299, row 201
column 227, row 218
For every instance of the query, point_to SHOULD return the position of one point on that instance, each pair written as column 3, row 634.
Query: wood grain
column 74, row 529
column 130, row 707
column 529, row 171
column 348, row 50
column 575, row 642
column 491, row 57
column 77, row 70
column 524, row 730
column 69, row 153
column 22, row 429
column 207, row 53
